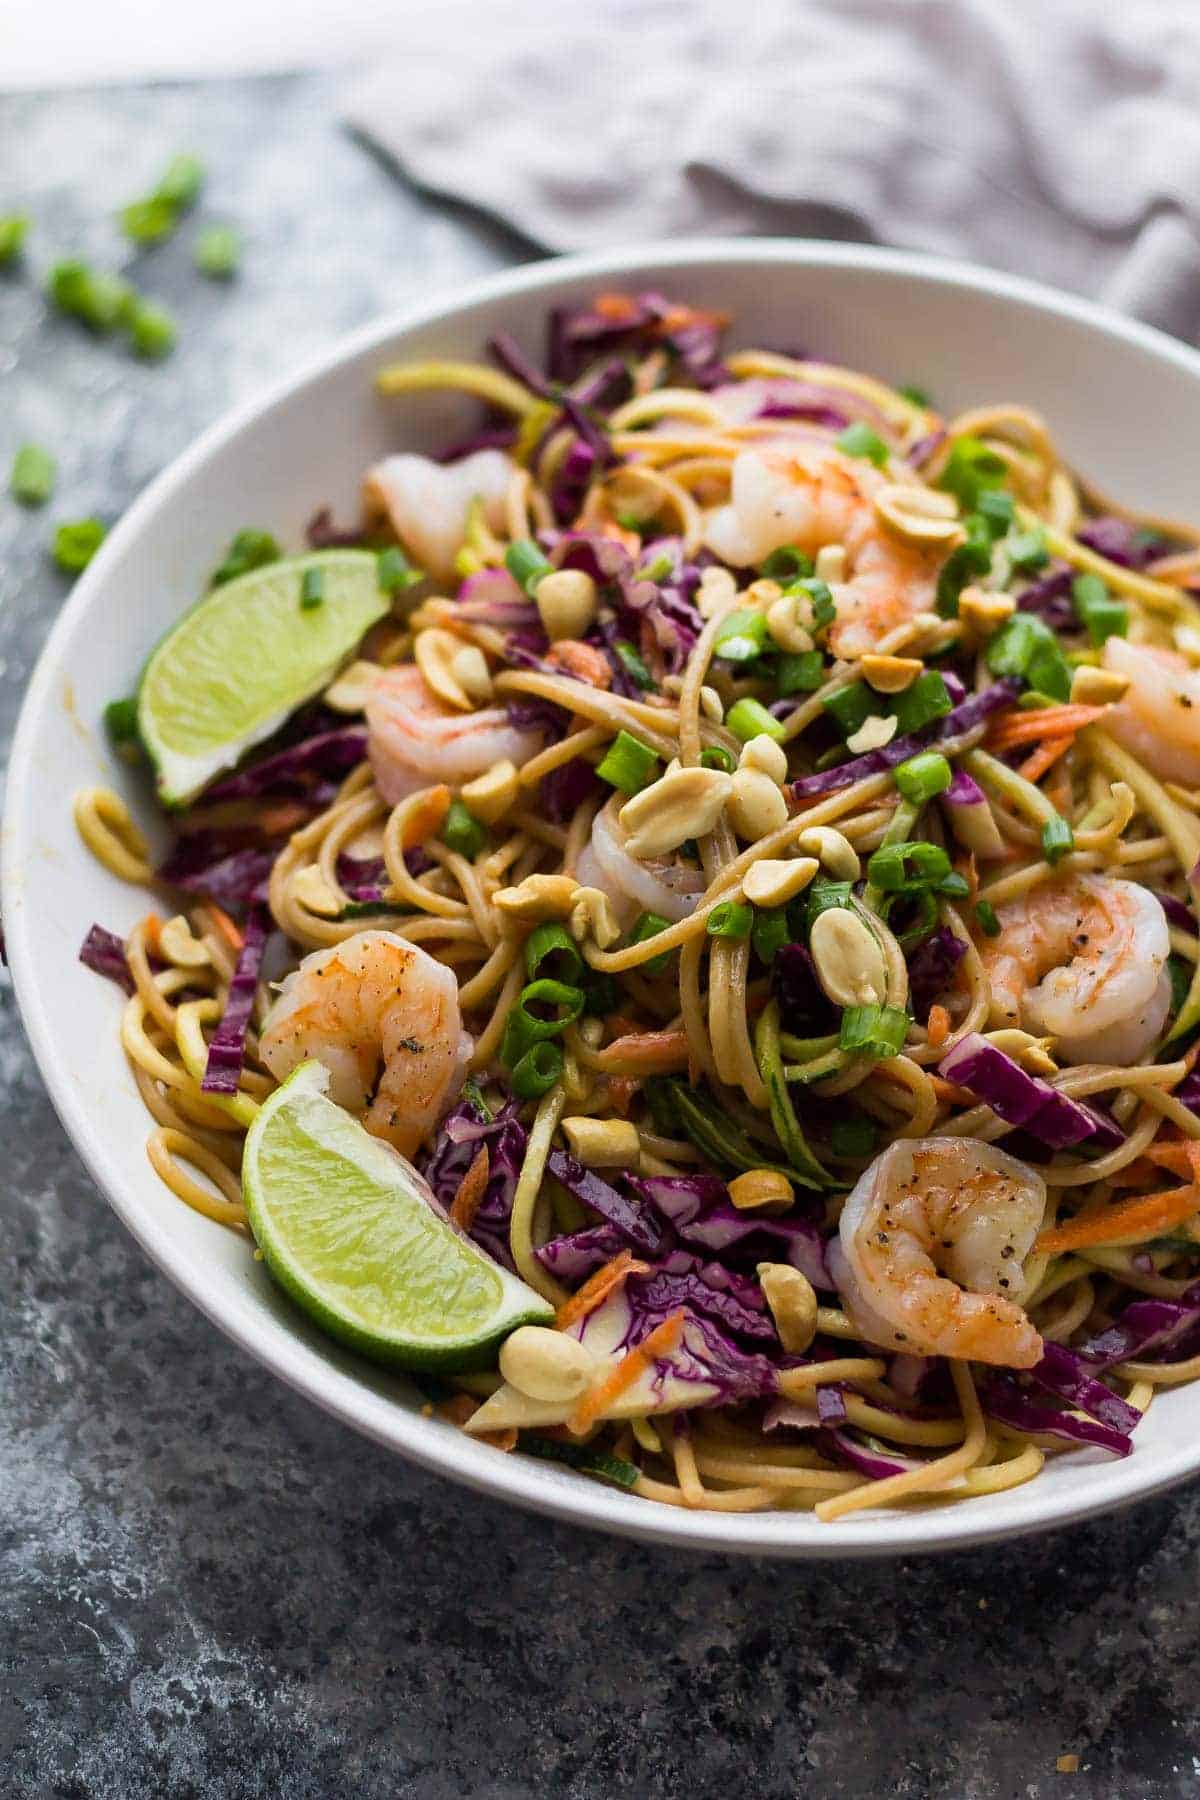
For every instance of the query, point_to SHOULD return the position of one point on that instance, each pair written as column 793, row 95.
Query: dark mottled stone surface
column 208, row 1588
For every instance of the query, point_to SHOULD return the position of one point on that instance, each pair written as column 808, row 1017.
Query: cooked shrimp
column 668, row 886
column 1083, row 960
column 413, row 740
column 382, row 1016
column 933, row 1242
column 427, row 502
column 811, row 496
column 1159, row 718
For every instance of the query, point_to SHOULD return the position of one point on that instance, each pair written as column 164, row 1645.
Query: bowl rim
column 519, row 1480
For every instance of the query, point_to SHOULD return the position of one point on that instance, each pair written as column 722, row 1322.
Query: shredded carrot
column 426, row 818
column 660, row 1342
column 937, row 1026
column 1046, row 722
column 1044, row 758
column 1129, row 1221
column 471, row 1190
column 945, row 1090
column 598, row 1287
column 621, row 1089
column 615, row 307
column 583, row 661
column 457, row 1408
column 285, row 815
column 152, row 932
column 224, row 925
column 499, row 1440
column 651, row 1052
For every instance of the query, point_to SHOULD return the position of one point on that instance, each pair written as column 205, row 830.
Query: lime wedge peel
column 346, row 1229
column 244, row 658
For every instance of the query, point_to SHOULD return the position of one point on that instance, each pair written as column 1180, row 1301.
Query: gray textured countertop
column 207, row 1587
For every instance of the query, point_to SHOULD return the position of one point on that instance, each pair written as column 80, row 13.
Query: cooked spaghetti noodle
column 794, row 797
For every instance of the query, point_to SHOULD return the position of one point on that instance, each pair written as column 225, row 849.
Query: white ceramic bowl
column 1124, row 402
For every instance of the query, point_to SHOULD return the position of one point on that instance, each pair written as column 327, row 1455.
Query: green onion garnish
column 553, row 945
column 14, row 228
column 1027, row 551
column 120, row 721
column 151, row 329
column 873, row 1030
column 180, row 182
column 535, row 1073
column 250, row 549
column 821, row 895
column 463, row 832
column 1027, row 647
column 632, row 664
column 717, row 757
column 954, row 886
column 997, row 510
column 916, row 395
column 970, row 469
column 147, row 221
column 730, row 919
column 799, row 673
column 819, row 594
column 749, row 718
column 770, row 932
column 850, row 707
column 649, row 926
column 786, row 564
column 742, row 635
column 928, row 698
column 923, row 776
column 523, row 1028
column 526, row 564
column 989, row 924
column 32, row 478
column 852, row 1137
column 217, row 252
column 76, row 542
column 1057, row 839
column 395, row 573
column 859, row 440
column 902, row 868
column 658, row 570
column 312, row 589
column 628, row 764
column 1098, row 610
column 101, row 301
column 601, row 994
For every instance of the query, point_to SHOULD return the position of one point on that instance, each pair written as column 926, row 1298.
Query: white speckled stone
column 207, row 1588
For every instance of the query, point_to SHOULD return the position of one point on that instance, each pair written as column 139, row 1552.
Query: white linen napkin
column 1057, row 138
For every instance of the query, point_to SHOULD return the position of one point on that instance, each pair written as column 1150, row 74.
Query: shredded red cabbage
column 488, row 437
column 1064, row 1373
column 972, row 712
column 699, row 1210
column 330, row 754
column 565, row 789
column 931, row 967
column 831, row 1405
column 833, row 1442
column 1050, row 598
column 227, row 1049
column 1026, row 1100
column 578, row 1254
column 1121, row 542
column 321, row 533
column 732, row 1301
column 638, row 1222
column 104, row 953
column 1144, row 1326
column 219, row 865
column 1177, row 911
column 454, row 1150
column 964, row 790
column 1005, row 1400
column 804, row 1007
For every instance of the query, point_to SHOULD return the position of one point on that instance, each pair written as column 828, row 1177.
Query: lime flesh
column 234, row 667
column 345, row 1227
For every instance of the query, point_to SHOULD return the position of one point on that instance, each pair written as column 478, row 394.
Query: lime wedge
column 345, row 1227
column 245, row 657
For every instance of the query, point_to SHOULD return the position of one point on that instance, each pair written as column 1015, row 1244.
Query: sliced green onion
column 312, row 589
column 989, row 923
column 972, row 557
column 1103, row 615
column 552, row 943
column 649, row 926
column 395, row 573
column 632, row 664
column 924, row 918
column 927, row 698
column 997, row 510
column 749, row 719
column 970, row 469
column 151, row 328
column 954, row 886
column 770, row 932
column 250, row 549
column 1057, row 839
column 1027, row 551
column 799, row 673
column 717, row 757
column 76, row 542
column 535, row 1073
column 628, row 764
column 180, row 182
column 526, row 563
column 217, row 252
column 121, row 722
column 14, row 228
column 902, row 868
column 852, row 1137
column 819, row 595
column 730, row 919
column 873, row 1030
column 923, row 776
column 859, row 440
column 32, row 478
column 601, row 994
column 742, row 635
column 851, row 707
column 821, row 896
column 148, row 221
column 917, row 396
column 523, row 1028
column 101, row 301
column 786, row 564
column 1026, row 646
column 463, row 832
